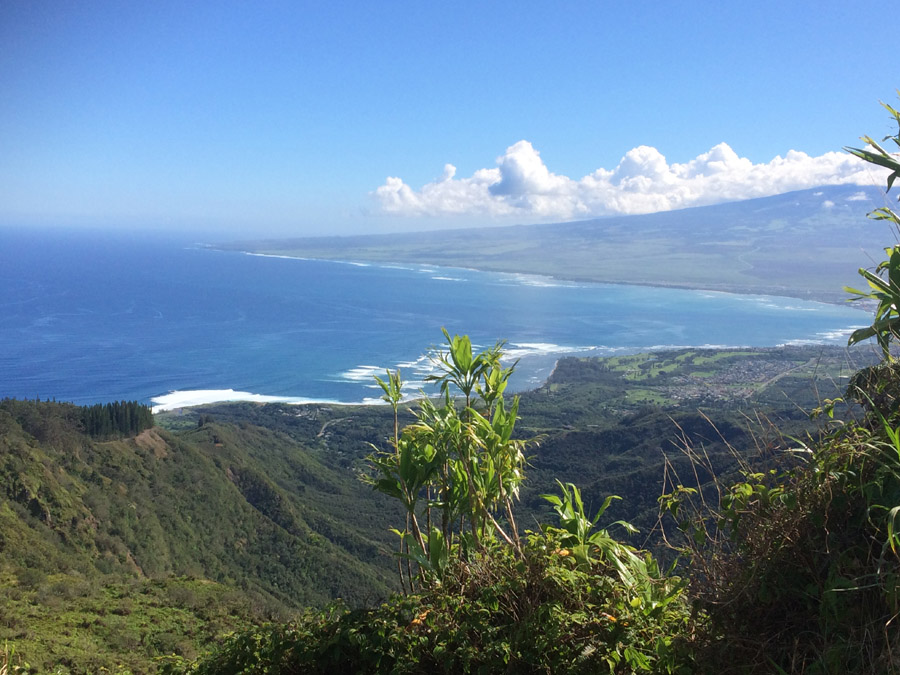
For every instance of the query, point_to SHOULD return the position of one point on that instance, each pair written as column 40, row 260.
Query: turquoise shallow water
column 94, row 316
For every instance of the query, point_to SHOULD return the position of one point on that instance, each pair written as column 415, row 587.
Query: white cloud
column 522, row 187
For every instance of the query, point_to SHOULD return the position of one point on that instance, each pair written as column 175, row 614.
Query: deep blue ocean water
column 90, row 316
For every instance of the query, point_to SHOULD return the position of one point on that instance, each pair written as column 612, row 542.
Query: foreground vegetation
column 794, row 569
column 479, row 596
column 538, row 612
column 797, row 571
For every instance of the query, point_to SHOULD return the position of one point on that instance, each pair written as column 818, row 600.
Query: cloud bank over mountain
column 521, row 185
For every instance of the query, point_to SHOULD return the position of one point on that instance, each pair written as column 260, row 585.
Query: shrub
column 539, row 612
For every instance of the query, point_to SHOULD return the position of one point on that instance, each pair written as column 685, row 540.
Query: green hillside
column 99, row 522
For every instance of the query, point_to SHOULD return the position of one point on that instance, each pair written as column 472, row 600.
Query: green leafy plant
column 393, row 394
column 10, row 663
column 458, row 468
column 590, row 545
column 884, row 282
column 576, row 531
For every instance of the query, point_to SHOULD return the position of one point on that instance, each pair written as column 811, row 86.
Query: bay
column 93, row 316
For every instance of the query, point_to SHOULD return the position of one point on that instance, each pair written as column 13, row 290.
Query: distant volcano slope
column 803, row 244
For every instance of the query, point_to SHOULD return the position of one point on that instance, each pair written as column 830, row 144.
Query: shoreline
column 175, row 400
column 236, row 397
column 838, row 297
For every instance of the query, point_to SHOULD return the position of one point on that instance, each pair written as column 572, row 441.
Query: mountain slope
column 806, row 243
column 242, row 506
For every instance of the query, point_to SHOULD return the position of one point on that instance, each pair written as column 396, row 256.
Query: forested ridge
column 47, row 420
column 93, row 526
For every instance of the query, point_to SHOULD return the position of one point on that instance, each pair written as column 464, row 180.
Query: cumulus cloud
column 521, row 186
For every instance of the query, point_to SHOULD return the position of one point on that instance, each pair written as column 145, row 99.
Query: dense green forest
column 119, row 418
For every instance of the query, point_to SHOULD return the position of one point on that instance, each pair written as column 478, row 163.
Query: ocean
column 93, row 316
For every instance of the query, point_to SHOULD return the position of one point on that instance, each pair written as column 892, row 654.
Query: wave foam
column 518, row 350
column 823, row 337
column 274, row 255
column 539, row 281
column 185, row 399
column 362, row 373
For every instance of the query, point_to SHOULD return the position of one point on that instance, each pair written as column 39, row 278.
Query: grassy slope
column 71, row 622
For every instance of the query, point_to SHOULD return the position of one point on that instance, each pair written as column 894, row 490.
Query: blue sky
column 334, row 117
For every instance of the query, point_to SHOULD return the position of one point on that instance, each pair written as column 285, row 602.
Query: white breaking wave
column 835, row 335
column 273, row 255
column 362, row 373
column 519, row 350
column 185, row 399
column 354, row 263
column 415, row 372
column 541, row 281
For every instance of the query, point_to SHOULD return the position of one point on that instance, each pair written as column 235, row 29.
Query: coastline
column 837, row 297
column 175, row 400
